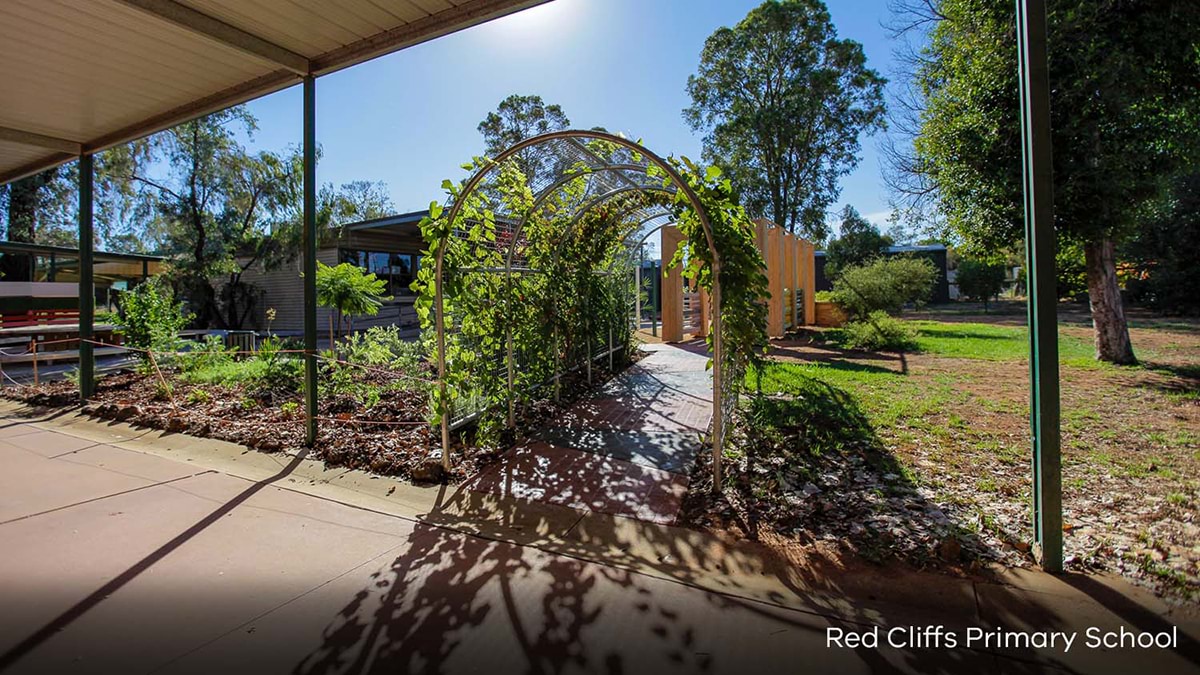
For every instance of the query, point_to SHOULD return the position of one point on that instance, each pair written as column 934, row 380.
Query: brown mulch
column 393, row 437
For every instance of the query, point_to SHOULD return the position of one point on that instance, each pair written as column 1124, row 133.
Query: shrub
column 210, row 352
column 884, row 285
column 290, row 409
column 980, row 280
column 152, row 318
column 199, row 396
column 383, row 346
column 879, row 332
column 823, row 296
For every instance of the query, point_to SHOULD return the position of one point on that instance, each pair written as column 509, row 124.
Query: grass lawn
column 926, row 454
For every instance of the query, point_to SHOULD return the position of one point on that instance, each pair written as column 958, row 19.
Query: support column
column 789, row 280
column 702, row 325
column 672, row 287
column 310, row 259
column 1043, row 299
column 809, row 282
column 797, row 308
column 87, row 292
column 774, row 256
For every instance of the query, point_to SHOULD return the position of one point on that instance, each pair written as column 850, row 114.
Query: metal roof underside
column 80, row 76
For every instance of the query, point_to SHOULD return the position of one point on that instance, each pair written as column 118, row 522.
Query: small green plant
column 199, row 397
column 247, row 403
column 279, row 370
column 290, row 409
column 163, row 391
column 72, row 376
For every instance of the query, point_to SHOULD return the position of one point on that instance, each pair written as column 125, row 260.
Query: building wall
column 282, row 287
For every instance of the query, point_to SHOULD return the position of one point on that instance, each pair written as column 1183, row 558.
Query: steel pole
column 1043, row 299
column 87, row 293
column 310, row 259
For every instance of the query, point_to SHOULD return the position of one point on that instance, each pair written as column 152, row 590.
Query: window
column 397, row 269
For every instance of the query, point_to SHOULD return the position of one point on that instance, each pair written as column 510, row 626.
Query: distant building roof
column 903, row 249
column 410, row 218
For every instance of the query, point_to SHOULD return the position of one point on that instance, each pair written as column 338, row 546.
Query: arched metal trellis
column 610, row 169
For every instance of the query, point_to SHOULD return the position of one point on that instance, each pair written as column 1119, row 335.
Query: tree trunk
column 1108, row 315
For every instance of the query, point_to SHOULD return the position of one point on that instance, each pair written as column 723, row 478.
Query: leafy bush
column 383, row 346
column 884, row 285
column 210, row 352
column 152, row 318
column 879, row 332
column 980, row 280
column 823, row 296
column 199, row 396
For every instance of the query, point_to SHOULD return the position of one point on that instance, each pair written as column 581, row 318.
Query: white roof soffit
column 80, row 76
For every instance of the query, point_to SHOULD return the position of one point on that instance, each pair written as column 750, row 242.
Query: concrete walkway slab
column 308, row 570
column 624, row 451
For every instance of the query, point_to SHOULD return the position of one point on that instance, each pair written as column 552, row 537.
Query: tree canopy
column 519, row 117
column 783, row 102
column 1125, row 98
column 858, row 243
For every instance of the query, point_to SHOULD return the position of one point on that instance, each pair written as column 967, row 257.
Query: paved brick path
column 624, row 451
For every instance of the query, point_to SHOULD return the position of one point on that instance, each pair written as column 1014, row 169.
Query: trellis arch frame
column 676, row 180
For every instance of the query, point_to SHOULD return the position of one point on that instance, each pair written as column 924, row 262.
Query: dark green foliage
column 517, row 118
column 782, row 102
column 1166, row 253
column 350, row 290
column 884, row 285
column 980, row 280
column 152, row 317
column 858, row 243
column 878, row 331
column 1125, row 98
column 383, row 346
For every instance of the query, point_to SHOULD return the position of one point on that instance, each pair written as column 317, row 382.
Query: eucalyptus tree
column 1125, row 118
column 782, row 103
column 519, row 117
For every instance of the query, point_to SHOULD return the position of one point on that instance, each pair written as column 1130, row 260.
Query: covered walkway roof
column 80, row 77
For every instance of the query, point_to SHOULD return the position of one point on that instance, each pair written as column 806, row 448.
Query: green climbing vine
column 568, row 301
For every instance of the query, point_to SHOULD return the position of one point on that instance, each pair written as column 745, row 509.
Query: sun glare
column 542, row 22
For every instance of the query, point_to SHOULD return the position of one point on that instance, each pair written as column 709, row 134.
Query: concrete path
column 134, row 551
column 625, row 451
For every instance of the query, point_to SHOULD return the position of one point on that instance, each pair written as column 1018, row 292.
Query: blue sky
column 409, row 119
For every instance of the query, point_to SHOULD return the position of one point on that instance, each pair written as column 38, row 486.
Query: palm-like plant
column 349, row 290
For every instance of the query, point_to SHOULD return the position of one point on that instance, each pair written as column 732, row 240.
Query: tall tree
column 218, row 209
column 517, row 118
column 1125, row 115
column 858, row 242
column 783, row 102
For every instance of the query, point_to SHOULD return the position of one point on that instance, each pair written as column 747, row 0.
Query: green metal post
column 87, row 294
column 1043, row 299
column 310, row 259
